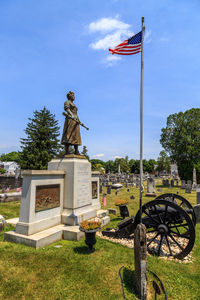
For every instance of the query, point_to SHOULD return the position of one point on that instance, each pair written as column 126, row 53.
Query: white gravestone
column 150, row 187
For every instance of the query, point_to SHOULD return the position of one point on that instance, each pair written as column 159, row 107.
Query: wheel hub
column 162, row 228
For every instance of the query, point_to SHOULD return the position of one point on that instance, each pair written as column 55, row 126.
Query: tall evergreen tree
column 41, row 143
column 85, row 152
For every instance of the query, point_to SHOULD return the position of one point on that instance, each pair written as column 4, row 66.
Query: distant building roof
column 9, row 163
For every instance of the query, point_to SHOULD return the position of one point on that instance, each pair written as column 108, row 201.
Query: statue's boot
column 76, row 150
column 67, row 149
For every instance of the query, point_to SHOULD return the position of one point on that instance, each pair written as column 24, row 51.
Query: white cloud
column 117, row 157
column 111, row 31
column 98, row 155
column 111, row 60
column 108, row 24
column 164, row 39
column 111, row 40
column 147, row 37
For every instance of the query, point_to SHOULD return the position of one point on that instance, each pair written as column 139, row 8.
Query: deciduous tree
column 181, row 139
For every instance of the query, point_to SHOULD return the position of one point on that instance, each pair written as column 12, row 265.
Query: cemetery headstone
column 197, row 212
column 194, row 184
column 112, row 211
column 108, row 189
column 198, row 193
column 137, row 183
column 150, row 187
column 182, row 184
column 188, row 187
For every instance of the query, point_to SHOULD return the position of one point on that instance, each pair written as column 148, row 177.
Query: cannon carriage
column 170, row 226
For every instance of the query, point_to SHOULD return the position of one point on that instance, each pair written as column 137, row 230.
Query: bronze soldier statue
column 71, row 131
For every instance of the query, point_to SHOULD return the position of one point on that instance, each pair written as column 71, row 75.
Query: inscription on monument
column 94, row 190
column 47, row 196
column 83, row 182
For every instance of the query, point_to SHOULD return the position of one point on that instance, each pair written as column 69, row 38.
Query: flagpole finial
column 143, row 27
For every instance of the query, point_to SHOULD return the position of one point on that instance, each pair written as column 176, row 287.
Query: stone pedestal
column 77, row 202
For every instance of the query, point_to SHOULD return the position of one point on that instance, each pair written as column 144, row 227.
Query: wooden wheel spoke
column 160, row 245
column 170, row 251
column 148, row 215
column 173, row 239
column 177, row 230
column 152, row 239
column 180, row 225
column 180, row 235
column 161, row 221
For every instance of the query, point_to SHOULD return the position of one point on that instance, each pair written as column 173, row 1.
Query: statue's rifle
column 77, row 121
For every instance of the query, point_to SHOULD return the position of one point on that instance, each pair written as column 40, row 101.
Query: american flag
column 129, row 46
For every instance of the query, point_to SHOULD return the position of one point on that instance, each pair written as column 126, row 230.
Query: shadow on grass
column 130, row 281
column 82, row 250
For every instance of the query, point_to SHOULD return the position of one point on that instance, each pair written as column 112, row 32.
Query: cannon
column 170, row 226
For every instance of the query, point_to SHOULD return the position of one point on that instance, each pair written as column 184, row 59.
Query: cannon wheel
column 180, row 201
column 170, row 230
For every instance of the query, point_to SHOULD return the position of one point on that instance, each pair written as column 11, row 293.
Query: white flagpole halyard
column 141, row 121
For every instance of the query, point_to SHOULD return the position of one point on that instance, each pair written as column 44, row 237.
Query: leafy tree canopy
column 2, row 171
column 97, row 161
column 12, row 156
column 41, row 143
column 124, row 165
column 163, row 163
column 181, row 139
column 109, row 166
column 98, row 167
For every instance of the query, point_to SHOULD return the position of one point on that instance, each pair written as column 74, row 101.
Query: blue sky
column 50, row 47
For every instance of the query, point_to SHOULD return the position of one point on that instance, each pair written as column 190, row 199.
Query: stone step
column 37, row 240
column 45, row 237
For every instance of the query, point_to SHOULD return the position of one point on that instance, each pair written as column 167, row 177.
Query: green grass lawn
column 70, row 272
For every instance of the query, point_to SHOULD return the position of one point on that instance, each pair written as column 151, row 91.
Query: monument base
column 45, row 237
column 76, row 216
column 51, row 235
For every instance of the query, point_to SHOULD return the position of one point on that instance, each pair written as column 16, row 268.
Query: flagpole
column 141, row 121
